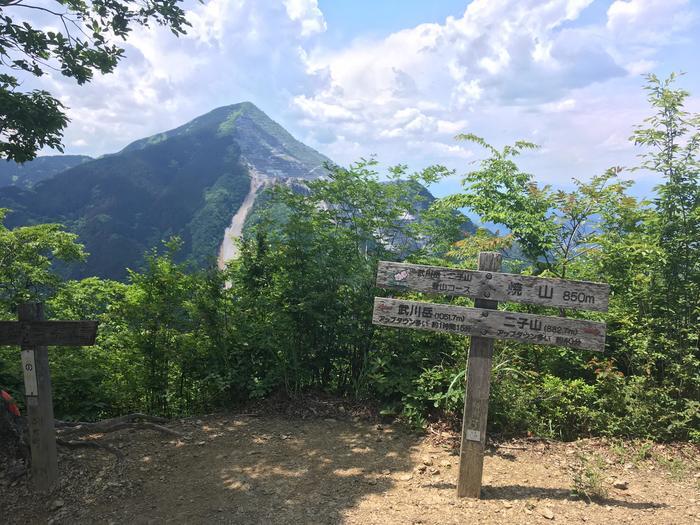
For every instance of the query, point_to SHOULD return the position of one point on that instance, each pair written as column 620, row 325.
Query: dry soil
column 272, row 469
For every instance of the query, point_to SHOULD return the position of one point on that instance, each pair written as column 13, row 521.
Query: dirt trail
column 228, row 249
column 279, row 470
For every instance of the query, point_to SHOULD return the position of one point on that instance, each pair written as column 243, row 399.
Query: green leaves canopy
column 83, row 46
column 26, row 260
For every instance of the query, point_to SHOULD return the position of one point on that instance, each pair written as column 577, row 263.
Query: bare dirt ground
column 270, row 469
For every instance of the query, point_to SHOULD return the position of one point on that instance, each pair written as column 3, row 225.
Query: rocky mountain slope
column 229, row 248
column 188, row 181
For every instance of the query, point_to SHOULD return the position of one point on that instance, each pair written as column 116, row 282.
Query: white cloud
column 308, row 13
column 648, row 21
column 235, row 50
column 498, row 52
column 319, row 110
column 532, row 69
column 559, row 106
column 504, row 69
column 639, row 27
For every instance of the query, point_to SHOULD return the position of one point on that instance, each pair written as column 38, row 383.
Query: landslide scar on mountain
column 229, row 249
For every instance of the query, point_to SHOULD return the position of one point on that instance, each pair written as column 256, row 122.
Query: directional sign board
column 492, row 324
column 495, row 286
column 48, row 333
column 488, row 286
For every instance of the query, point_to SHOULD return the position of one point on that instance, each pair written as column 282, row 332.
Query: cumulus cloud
column 544, row 70
column 504, row 69
column 498, row 52
column 650, row 22
column 308, row 14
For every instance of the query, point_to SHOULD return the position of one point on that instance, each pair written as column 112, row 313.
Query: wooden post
column 476, row 400
column 32, row 333
column 487, row 285
column 37, row 384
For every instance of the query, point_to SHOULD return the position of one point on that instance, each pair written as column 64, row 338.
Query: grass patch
column 633, row 452
column 677, row 468
column 588, row 479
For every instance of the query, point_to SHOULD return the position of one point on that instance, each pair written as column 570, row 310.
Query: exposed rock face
column 229, row 249
column 270, row 150
column 259, row 182
column 272, row 156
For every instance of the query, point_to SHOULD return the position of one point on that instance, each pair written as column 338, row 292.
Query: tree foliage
column 672, row 140
column 82, row 44
column 647, row 383
column 27, row 255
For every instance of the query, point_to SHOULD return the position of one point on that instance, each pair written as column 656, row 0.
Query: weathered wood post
column 39, row 401
column 488, row 286
column 476, row 399
column 32, row 333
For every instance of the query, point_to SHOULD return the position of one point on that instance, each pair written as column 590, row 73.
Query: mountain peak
column 189, row 181
column 246, row 106
column 264, row 144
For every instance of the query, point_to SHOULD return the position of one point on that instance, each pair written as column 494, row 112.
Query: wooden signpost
column 32, row 333
column 484, row 323
column 493, row 285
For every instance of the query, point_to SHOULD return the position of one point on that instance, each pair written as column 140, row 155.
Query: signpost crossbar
column 48, row 333
column 495, row 286
column 484, row 323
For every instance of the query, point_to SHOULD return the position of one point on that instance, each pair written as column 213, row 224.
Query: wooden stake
column 476, row 400
column 39, row 401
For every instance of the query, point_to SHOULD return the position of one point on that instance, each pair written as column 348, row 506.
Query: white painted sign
column 473, row 435
column 29, row 369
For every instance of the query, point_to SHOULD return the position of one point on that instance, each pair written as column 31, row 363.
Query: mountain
column 264, row 144
column 188, row 181
column 397, row 242
column 28, row 174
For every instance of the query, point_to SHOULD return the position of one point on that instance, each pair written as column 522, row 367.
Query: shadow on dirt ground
column 519, row 492
column 288, row 470
column 228, row 470
column 278, row 471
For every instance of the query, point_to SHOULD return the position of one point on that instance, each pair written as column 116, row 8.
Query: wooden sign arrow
column 48, row 333
column 492, row 324
column 495, row 286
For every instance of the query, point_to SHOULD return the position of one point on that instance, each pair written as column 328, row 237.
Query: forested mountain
column 188, row 181
column 27, row 174
column 420, row 197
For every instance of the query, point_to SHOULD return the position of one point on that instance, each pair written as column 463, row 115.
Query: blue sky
column 348, row 20
column 399, row 78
